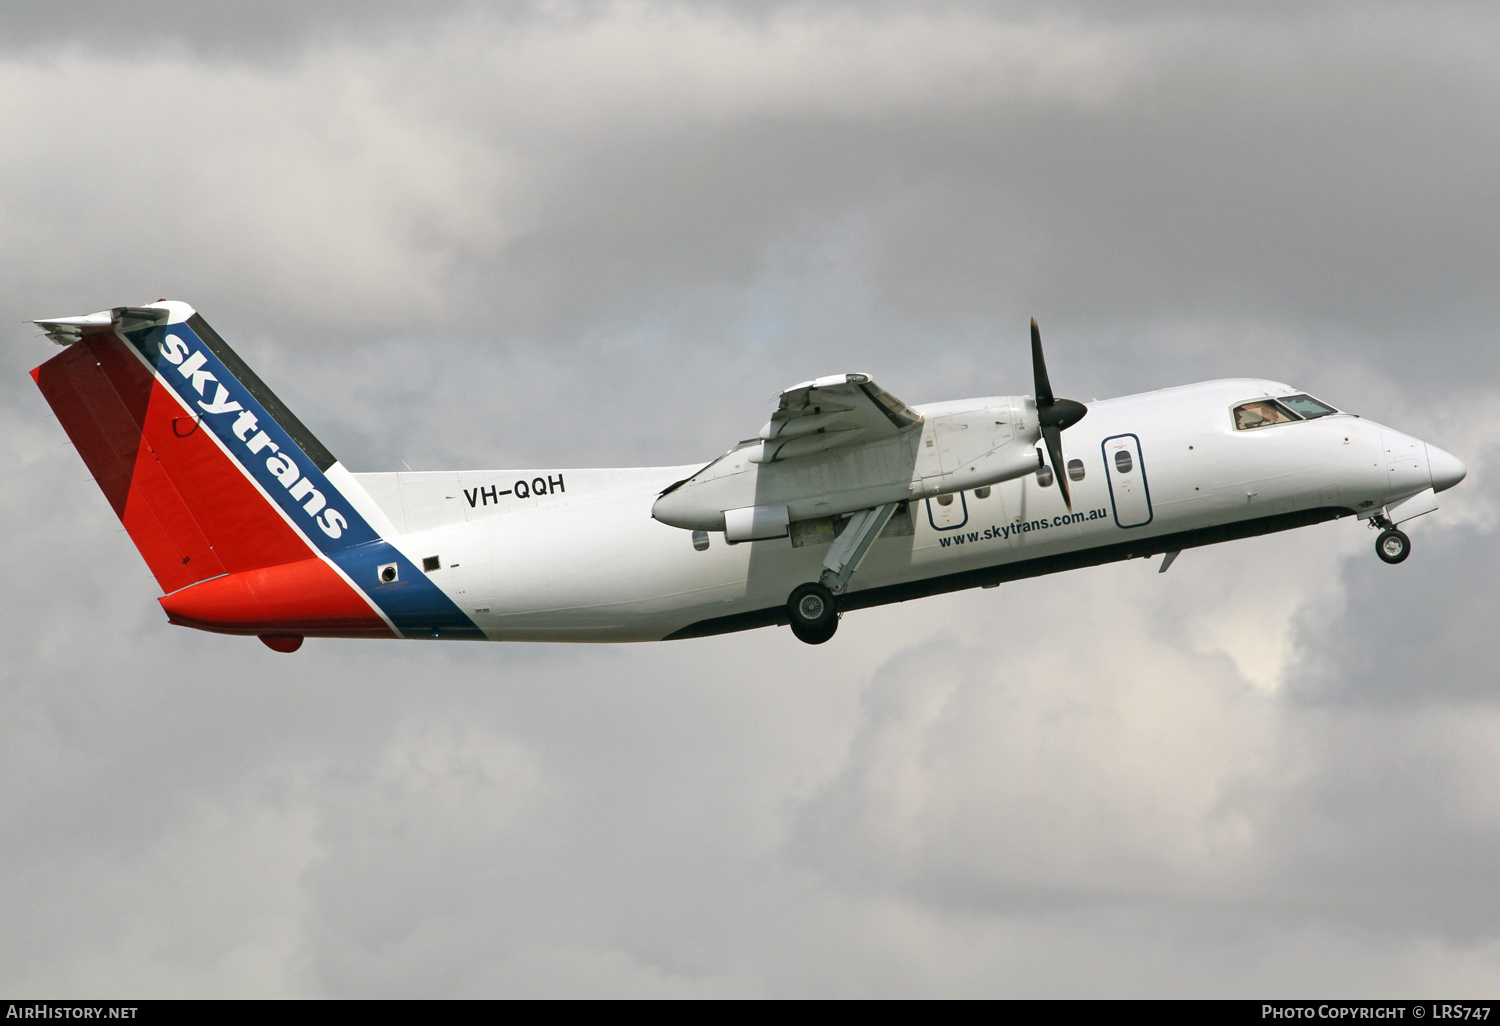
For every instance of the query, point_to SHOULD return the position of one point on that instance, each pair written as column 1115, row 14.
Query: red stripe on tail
column 103, row 412
column 191, row 510
column 307, row 597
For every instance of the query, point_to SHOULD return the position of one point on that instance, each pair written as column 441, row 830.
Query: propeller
column 1053, row 414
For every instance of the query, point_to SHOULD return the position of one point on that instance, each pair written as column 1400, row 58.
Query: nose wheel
column 1392, row 546
column 813, row 612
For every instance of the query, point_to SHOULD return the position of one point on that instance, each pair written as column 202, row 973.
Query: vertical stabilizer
column 228, row 496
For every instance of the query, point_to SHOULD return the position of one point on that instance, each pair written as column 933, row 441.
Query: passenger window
column 1123, row 463
column 1044, row 475
column 1075, row 470
column 946, row 499
column 982, row 492
column 1308, row 407
column 1261, row 413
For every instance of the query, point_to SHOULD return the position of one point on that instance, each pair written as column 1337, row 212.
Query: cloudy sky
column 468, row 234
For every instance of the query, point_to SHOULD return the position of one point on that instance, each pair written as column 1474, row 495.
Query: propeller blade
column 1053, row 434
column 1053, row 414
column 1039, row 369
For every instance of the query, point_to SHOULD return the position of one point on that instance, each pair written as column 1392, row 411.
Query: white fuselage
column 575, row 555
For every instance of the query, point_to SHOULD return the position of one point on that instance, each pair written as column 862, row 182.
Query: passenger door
column 1129, row 493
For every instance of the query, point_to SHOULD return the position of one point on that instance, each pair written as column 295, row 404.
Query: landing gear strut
column 814, row 613
column 1392, row 546
column 812, row 607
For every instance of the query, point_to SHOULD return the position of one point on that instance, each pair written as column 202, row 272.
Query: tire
column 813, row 612
column 817, row 635
column 1392, row 546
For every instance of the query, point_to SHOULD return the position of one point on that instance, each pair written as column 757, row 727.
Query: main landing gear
column 814, row 613
column 813, row 607
column 1392, row 545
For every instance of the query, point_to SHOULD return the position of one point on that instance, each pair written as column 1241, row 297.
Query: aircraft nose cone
column 1447, row 469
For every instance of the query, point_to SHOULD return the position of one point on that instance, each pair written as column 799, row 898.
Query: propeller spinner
column 1053, row 414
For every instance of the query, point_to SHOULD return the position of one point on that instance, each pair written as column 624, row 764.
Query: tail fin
column 246, row 520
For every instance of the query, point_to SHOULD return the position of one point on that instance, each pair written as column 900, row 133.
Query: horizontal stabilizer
column 66, row 330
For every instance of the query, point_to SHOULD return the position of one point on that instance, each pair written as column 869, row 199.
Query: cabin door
column 1126, row 473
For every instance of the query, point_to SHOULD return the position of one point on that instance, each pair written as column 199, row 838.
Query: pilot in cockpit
column 1260, row 414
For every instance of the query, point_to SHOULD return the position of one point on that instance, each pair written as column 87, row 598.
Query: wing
column 829, row 413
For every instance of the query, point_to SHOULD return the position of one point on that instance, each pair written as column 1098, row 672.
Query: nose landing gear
column 813, row 613
column 1392, row 545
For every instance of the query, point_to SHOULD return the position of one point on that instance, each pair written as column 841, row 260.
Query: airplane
column 846, row 498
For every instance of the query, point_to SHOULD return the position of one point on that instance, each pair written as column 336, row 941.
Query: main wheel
column 1392, row 546
column 815, row 635
column 813, row 612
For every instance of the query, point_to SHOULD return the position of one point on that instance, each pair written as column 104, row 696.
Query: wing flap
column 830, row 413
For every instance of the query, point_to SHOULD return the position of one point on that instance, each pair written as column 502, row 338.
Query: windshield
column 1262, row 413
column 1308, row 407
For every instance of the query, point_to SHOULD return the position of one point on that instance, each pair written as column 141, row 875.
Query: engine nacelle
column 956, row 446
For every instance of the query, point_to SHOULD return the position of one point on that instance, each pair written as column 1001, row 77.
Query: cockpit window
column 1308, row 406
column 1262, row 413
